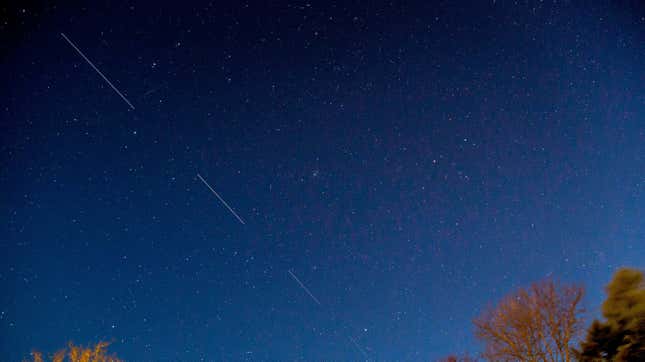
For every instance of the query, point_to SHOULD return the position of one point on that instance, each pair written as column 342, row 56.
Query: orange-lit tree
column 539, row 323
column 74, row 353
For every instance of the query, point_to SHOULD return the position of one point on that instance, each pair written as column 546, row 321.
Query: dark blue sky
column 409, row 163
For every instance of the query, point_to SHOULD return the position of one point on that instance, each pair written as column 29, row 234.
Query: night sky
column 408, row 163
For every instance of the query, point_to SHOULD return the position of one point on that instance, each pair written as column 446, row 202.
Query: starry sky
column 408, row 163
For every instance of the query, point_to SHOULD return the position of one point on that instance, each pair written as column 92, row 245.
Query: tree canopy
column 621, row 337
column 539, row 323
column 75, row 353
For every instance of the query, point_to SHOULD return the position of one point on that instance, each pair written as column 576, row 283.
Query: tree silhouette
column 539, row 323
column 621, row 338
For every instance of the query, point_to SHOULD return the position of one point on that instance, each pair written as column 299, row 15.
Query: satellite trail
column 304, row 288
column 97, row 69
column 221, row 199
column 358, row 347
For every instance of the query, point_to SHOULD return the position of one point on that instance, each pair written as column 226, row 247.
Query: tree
column 621, row 337
column 537, row 324
column 454, row 358
column 74, row 353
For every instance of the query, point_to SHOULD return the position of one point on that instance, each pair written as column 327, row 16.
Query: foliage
column 539, row 323
column 621, row 338
column 74, row 353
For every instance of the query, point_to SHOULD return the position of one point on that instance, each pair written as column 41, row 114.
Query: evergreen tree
column 621, row 338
